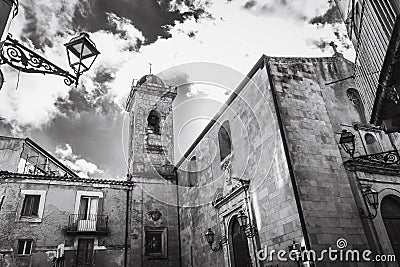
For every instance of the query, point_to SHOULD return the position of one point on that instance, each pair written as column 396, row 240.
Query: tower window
column 224, row 140
column 153, row 122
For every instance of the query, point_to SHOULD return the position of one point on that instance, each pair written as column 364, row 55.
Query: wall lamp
column 347, row 142
column 81, row 52
column 249, row 229
column 210, row 236
column 371, row 197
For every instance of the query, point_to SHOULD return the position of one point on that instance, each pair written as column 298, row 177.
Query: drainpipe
column 127, row 221
column 179, row 216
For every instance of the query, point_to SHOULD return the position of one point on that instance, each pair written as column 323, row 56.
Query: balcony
column 386, row 163
column 87, row 224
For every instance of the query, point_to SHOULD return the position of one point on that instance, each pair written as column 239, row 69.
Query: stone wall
column 257, row 155
column 313, row 115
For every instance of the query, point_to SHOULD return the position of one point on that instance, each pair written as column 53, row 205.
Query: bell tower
column 151, row 144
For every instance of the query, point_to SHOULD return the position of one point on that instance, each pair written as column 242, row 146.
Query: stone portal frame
column 228, row 210
column 379, row 224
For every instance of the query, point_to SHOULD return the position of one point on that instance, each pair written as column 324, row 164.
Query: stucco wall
column 10, row 152
column 47, row 234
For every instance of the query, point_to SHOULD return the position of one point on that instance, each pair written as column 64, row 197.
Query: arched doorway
column 390, row 210
column 238, row 246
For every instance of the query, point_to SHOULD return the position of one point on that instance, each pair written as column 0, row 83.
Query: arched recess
column 224, row 140
column 354, row 97
column 153, row 122
column 390, row 211
column 238, row 245
column 372, row 144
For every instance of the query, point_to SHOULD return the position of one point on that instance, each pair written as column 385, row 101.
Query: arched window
column 372, row 144
column 192, row 172
column 355, row 98
column 224, row 140
column 357, row 18
column 390, row 210
column 153, row 122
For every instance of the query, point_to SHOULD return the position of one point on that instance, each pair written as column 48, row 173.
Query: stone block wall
column 313, row 114
column 257, row 155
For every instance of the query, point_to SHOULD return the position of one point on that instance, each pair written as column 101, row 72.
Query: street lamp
column 210, row 236
column 249, row 229
column 347, row 142
column 24, row 59
column 372, row 198
column 81, row 52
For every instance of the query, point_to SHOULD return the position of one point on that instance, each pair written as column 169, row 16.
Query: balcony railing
column 387, row 162
column 87, row 223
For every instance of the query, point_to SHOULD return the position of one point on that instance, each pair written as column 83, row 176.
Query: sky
column 85, row 127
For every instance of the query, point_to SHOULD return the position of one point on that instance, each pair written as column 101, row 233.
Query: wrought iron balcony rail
column 87, row 223
column 387, row 162
column 387, row 158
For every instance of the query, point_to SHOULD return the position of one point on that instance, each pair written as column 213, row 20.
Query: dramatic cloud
column 79, row 165
column 132, row 34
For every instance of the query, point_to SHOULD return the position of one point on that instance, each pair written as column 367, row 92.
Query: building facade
column 268, row 172
column 51, row 216
column 374, row 28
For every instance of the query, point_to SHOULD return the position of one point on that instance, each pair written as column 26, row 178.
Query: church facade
column 273, row 173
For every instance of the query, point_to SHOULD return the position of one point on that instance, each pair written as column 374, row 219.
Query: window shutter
column 100, row 206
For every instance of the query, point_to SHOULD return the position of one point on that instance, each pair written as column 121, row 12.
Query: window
column 153, row 122
column 88, row 206
column 224, row 140
column 372, row 144
column 24, row 247
column 31, row 205
column 192, row 172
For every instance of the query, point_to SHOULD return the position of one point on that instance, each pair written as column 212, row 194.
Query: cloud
column 131, row 34
column 79, row 165
column 331, row 16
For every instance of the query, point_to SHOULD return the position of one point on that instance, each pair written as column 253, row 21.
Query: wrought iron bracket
column 23, row 59
column 369, row 215
column 222, row 242
column 251, row 231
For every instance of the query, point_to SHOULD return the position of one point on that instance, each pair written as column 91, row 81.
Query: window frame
column 24, row 242
column 42, row 199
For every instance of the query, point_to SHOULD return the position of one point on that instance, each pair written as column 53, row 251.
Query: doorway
column 84, row 256
column 239, row 247
column 390, row 210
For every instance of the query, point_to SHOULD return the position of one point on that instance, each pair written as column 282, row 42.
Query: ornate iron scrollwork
column 23, row 59
column 387, row 158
